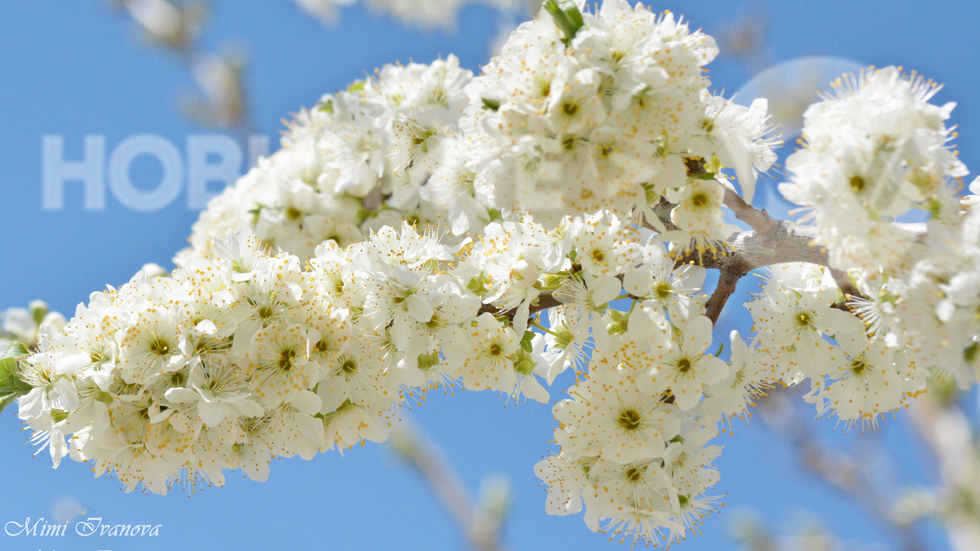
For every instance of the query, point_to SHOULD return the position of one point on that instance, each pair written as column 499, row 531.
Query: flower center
column 629, row 419
column 495, row 349
column 323, row 346
column 178, row 378
column 857, row 183
column 684, row 365
column 265, row 311
column 349, row 366
column 804, row 320
column 293, row 213
column 159, row 346
column 286, row 359
column 634, row 474
column 858, row 367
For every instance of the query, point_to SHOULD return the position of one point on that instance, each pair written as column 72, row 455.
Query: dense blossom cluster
column 603, row 117
column 384, row 150
column 426, row 228
column 872, row 153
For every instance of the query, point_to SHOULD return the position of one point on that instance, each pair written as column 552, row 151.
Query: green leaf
column 9, row 367
column 15, row 350
column 11, row 385
column 567, row 17
column 491, row 104
column 357, row 86
column 6, row 400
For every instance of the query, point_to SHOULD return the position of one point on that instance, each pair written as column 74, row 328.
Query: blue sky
column 77, row 68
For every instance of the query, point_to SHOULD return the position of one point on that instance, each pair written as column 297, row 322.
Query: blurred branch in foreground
column 220, row 77
column 952, row 441
column 808, row 534
column 744, row 41
column 846, row 473
column 481, row 524
column 425, row 14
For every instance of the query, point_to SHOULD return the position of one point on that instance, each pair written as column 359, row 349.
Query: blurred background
column 85, row 84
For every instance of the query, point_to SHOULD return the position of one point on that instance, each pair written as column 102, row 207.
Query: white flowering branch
column 427, row 227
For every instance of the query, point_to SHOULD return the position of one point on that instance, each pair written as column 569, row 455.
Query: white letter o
column 124, row 155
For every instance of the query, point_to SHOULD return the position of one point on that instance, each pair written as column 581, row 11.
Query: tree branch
column 771, row 241
column 726, row 286
column 758, row 220
column 480, row 529
column 840, row 470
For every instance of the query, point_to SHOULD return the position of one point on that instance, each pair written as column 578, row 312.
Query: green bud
column 427, row 361
column 526, row 342
column 523, row 364
column 477, row 285
column 103, row 397
column 552, row 282
column 652, row 196
column 39, row 309
column 58, row 415
column 619, row 323
column 491, row 104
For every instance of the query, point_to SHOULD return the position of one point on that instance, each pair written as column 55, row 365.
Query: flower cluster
column 873, row 152
column 242, row 355
column 610, row 117
column 806, row 333
column 600, row 111
column 935, row 309
column 384, row 150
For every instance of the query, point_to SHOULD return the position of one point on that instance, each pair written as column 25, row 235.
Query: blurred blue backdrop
column 75, row 69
